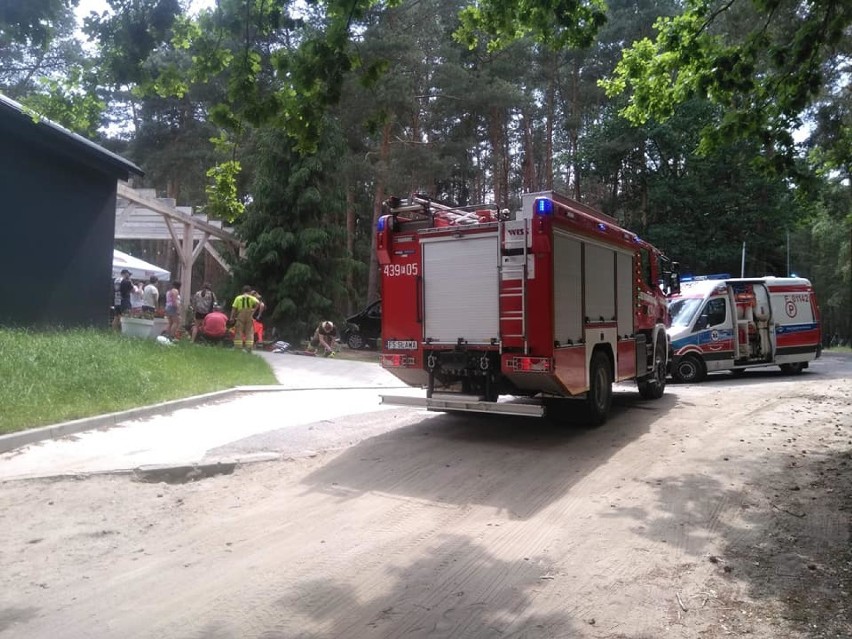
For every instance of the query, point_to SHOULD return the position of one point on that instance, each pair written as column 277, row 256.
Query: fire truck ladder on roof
column 513, row 271
column 454, row 216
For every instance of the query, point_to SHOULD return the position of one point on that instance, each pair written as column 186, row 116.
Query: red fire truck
column 512, row 314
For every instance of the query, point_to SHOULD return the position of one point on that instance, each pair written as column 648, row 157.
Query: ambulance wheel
column 689, row 370
column 599, row 397
column 654, row 386
column 792, row 369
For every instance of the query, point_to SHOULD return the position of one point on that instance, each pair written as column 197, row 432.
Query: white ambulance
column 731, row 324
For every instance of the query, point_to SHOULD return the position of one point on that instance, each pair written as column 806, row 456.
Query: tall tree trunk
column 350, row 246
column 495, row 139
column 173, row 188
column 379, row 197
column 574, row 132
column 550, row 101
column 528, row 169
column 499, row 159
column 643, row 186
column 478, row 193
column 613, row 196
column 415, row 177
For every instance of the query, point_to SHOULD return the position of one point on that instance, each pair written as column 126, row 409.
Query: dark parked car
column 365, row 328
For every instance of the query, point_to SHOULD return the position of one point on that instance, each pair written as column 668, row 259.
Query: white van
column 739, row 323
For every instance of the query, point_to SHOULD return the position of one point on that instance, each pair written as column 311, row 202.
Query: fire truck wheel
column 792, row 369
column 689, row 370
column 654, row 386
column 599, row 397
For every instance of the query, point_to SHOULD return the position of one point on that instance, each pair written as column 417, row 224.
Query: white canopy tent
column 139, row 269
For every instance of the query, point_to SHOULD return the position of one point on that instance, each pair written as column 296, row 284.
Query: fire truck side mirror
column 674, row 285
column 672, row 279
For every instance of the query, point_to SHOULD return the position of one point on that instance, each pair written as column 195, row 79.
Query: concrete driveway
column 209, row 429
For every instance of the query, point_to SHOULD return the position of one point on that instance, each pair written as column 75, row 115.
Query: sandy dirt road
column 721, row 510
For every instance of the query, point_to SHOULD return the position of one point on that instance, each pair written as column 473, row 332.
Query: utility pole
column 788, row 252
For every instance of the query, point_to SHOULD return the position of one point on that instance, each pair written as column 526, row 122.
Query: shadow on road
column 12, row 616
column 489, row 460
column 478, row 595
column 785, row 529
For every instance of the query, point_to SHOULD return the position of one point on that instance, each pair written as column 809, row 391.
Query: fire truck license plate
column 400, row 345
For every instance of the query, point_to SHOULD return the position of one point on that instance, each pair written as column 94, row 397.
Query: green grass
column 839, row 349
column 55, row 376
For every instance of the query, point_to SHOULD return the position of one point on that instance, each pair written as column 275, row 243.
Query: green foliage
column 33, row 22
column 699, row 207
column 764, row 78
column 51, row 377
column 295, row 251
column 821, row 248
column 44, row 66
column 222, row 196
column 830, row 145
column 555, row 23
column 129, row 35
column 71, row 101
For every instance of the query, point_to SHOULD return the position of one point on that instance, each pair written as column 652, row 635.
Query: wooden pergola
column 140, row 215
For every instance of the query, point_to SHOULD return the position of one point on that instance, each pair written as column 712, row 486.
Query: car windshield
column 682, row 310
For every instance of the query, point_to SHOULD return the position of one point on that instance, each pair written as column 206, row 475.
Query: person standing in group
column 173, row 310
column 122, row 301
column 258, row 312
column 136, row 299
column 150, row 296
column 202, row 304
column 242, row 312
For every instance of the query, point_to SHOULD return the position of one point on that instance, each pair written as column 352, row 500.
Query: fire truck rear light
column 543, row 206
column 380, row 225
column 397, row 361
column 532, row 364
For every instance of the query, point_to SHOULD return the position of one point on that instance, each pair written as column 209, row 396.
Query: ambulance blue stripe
column 697, row 339
column 794, row 328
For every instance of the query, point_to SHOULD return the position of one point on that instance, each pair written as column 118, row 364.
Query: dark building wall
column 58, row 221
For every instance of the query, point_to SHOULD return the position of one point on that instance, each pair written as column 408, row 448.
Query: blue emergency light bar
column 380, row 225
column 702, row 278
column 544, row 206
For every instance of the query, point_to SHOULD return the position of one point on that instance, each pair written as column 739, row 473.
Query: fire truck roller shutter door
column 599, row 273
column 568, row 314
column 625, row 285
column 461, row 289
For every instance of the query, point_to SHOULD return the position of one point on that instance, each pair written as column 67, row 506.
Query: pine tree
column 294, row 233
